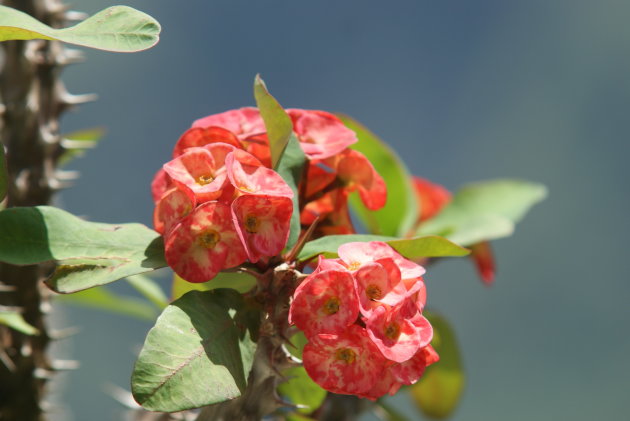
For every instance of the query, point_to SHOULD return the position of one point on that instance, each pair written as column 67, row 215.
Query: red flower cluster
column 218, row 202
column 362, row 315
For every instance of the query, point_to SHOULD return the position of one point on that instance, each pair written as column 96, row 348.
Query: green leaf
column 241, row 282
column 194, row 356
column 412, row 248
column 484, row 211
column 401, row 211
column 301, row 390
column 76, row 143
column 149, row 290
column 277, row 121
column 118, row 28
column 290, row 168
column 4, row 175
column 439, row 390
column 89, row 253
column 15, row 321
column 103, row 299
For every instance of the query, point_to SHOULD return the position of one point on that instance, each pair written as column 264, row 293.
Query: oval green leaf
column 287, row 157
column 89, row 253
column 438, row 392
column 484, row 211
column 290, row 168
column 194, row 356
column 401, row 211
column 117, row 28
column 277, row 121
column 411, row 248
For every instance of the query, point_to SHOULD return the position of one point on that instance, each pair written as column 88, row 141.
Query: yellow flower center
column 373, row 292
column 354, row 265
column 346, row 354
column 252, row 224
column 392, row 331
column 208, row 239
column 204, row 179
column 331, row 306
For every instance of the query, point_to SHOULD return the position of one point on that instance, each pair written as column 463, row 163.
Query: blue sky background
column 464, row 91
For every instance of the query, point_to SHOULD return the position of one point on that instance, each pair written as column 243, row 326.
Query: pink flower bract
column 244, row 122
column 325, row 302
column 198, row 172
column 249, row 176
column 347, row 363
column 398, row 338
column 204, row 243
column 321, row 134
column 262, row 223
column 172, row 207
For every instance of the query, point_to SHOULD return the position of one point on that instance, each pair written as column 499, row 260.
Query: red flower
column 481, row 254
column 198, row 137
column 262, row 223
column 244, row 122
column 321, row 134
column 346, row 363
column 325, row 302
column 354, row 255
column 160, row 184
column 397, row 337
column 410, row 371
column 172, row 207
column 378, row 283
column 249, row 176
column 431, row 197
column 204, row 243
column 198, row 172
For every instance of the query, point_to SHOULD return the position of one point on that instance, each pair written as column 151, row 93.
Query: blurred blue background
column 464, row 91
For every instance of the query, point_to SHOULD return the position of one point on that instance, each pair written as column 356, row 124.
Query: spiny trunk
column 32, row 97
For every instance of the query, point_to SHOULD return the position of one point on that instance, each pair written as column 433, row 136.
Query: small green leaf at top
column 88, row 253
column 484, row 211
column 439, row 390
column 401, row 211
column 290, row 168
column 194, row 356
column 410, row 248
column 117, row 28
column 277, row 121
column 4, row 175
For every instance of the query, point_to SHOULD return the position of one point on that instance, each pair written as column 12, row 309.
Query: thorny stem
column 32, row 98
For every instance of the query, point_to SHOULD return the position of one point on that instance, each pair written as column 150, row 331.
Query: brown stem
column 33, row 98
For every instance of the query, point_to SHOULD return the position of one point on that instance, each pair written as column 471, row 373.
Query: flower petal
column 204, row 243
column 321, row 134
column 262, row 223
column 347, row 363
column 325, row 302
